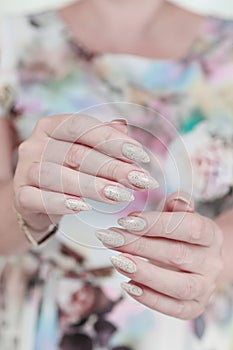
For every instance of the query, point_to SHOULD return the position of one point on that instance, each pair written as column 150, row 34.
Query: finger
column 50, row 203
column 169, row 253
column 93, row 133
column 186, row 227
column 92, row 162
column 53, row 177
column 179, row 201
column 184, row 310
column 178, row 285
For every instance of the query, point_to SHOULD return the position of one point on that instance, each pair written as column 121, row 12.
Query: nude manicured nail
column 118, row 194
column 135, row 153
column 75, row 204
column 132, row 223
column 111, row 238
column 123, row 263
column 132, row 289
column 185, row 201
column 142, row 180
column 122, row 121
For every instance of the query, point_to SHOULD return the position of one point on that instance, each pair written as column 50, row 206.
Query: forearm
column 225, row 222
column 12, row 240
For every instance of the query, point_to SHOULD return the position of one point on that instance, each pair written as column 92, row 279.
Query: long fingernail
column 142, row 180
column 118, row 194
column 132, row 289
column 123, row 263
column 132, row 223
column 75, row 204
column 111, row 238
column 135, row 153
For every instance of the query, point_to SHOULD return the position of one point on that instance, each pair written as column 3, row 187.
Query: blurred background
column 223, row 8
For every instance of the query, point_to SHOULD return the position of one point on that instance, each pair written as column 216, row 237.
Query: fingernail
column 75, row 204
column 111, row 238
column 142, row 180
column 122, row 121
column 132, row 223
column 132, row 289
column 118, row 194
column 184, row 200
column 123, row 263
column 135, row 153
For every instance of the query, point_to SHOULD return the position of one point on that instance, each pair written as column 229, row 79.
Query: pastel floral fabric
column 67, row 296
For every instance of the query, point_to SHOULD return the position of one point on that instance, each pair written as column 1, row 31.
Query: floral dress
column 67, row 295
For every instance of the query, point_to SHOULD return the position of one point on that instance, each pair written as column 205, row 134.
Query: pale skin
column 185, row 265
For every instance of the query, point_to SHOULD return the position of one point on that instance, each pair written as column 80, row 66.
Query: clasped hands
column 68, row 158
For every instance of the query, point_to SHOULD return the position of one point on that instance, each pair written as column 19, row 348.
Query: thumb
column 179, row 201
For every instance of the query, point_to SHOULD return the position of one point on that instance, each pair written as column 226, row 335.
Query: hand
column 70, row 157
column 183, row 250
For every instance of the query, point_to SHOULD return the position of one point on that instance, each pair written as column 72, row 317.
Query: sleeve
column 8, row 57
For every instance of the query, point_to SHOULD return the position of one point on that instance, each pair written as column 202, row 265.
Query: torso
column 179, row 106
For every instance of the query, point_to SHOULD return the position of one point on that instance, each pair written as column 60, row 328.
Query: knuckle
column 112, row 169
column 209, row 231
column 217, row 268
column 72, row 126
column 43, row 124
column 33, row 173
column 180, row 254
column 24, row 149
column 140, row 246
column 75, row 156
column 108, row 134
column 219, row 236
column 22, row 198
column 197, row 225
column 192, row 312
column 188, row 289
column 220, row 267
column 41, row 174
column 179, row 310
column 46, row 175
column 156, row 302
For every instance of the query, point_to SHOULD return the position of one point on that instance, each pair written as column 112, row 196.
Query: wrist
column 36, row 235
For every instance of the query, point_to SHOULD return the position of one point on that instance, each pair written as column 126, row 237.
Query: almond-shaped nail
column 111, row 238
column 123, row 263
column 132, row 289
column 135, row 153
column 132, row 223
column 75, row 204
column 118, row 194
column 142, row 180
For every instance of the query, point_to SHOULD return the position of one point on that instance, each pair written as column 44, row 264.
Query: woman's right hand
column 68, row 157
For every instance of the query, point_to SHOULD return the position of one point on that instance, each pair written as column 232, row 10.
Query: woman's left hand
column 183, row 252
